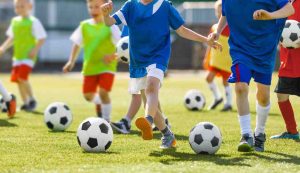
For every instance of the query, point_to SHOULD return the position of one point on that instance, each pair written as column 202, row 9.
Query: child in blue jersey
column 149, row 23
column 137, row 91
column 255, row 29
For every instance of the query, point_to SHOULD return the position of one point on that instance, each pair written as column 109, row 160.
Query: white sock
column 228, row 93
column 128, row 119
column 261, row 118
column 106, row 111
column 96, row 99
column 6, row 96
column 245, row 124
column 215, row 90
column 27, row 101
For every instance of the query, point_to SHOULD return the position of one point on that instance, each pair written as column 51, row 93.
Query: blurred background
column 61, row 17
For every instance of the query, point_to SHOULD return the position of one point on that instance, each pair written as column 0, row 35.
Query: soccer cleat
column 11, row 106
column 168, row 141
column 32, row 105
column 226, row 108
column 259, row 142
column 98, row 110
column 143, row 124
column 122, row 126
column 24, row 107
column 246, row 143
column 215, row 104
column 286, row 135
column 154, row 128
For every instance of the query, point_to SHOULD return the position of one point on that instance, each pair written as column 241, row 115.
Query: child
column 27, row 35
column 9, row 101
column 148, row 23
column 254, row 35
column 289, row 83
column 137, row 96
column 218, row 64
column 99, row 67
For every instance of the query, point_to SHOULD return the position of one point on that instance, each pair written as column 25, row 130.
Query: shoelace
column 258, row 142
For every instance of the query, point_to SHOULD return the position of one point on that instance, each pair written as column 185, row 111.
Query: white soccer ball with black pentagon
column 194, row 100
column 58, row 116
column 290, row 37
column 205, row 138
column 94, row 135
column 123, row 50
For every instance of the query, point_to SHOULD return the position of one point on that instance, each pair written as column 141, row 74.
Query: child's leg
column 262, row 107
column 135, row 104
column 228, row 93
column 214, row 89
column 9, row 100
column 153, row 85
column 23, row 92
column 241, row 90
column 106, row 104
column 287, row 113
column 28, row 89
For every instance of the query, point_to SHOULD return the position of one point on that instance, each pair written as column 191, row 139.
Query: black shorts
column 288, row 85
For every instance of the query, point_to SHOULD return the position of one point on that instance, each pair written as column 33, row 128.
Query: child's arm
column 36, row 49
column 6, row 45
column 106, row 10
column 72, row 59
column 284, row 12
column 191, row 35
column 221, row 25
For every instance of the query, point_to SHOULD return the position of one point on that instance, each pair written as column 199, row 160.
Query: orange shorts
column 104, row 81
column 20, row 72
column 224, row 74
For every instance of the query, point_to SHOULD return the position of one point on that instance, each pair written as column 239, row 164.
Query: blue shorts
column 241, row 73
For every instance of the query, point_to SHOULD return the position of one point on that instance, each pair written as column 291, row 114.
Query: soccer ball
column 3, row 107
column 205, row 138
column 58, row 116
column 194, row 100
column 123, row 50
column 94, row 135
column 290, row 37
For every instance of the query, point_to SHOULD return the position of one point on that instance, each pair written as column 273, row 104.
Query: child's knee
column 282, row 97
column 152, row 87
column 263, row 99
column 209, row 79
column 89, row 97
column 104, row 95
column 241, row 88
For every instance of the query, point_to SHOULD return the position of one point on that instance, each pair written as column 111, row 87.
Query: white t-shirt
column 76, row 37
column 38, row 30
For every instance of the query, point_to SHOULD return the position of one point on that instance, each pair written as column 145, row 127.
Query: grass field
column 26, row 145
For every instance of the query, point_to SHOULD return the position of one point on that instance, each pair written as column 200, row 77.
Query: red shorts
column 104, row 81
column 224, row 74
column 20, row 72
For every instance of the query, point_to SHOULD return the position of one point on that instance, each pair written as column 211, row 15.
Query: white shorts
column 138, row 84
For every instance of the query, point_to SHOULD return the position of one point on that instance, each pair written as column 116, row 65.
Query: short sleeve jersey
column 25, row 32
column 290, row 58
column 97, row 41
column 253, row 42
column 149, row 30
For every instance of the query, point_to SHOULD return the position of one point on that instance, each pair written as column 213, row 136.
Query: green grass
column 26, row 145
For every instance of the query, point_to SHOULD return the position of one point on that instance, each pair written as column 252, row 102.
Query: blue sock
column 150, row 119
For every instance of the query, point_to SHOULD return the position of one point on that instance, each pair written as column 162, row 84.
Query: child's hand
column 214, row 44
column 107, row 8
column 68, row 67
column 109, row 58
column 262, row 15
column 33, row 54
column 213, row 36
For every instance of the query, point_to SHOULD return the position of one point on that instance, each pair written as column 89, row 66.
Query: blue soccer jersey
column 149, row 30
column 253, row 42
